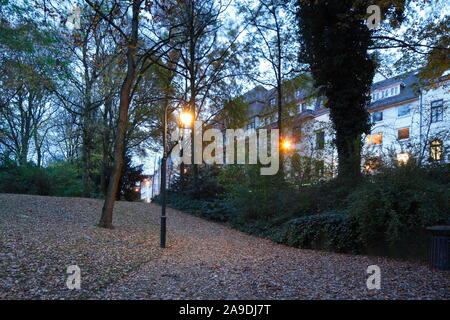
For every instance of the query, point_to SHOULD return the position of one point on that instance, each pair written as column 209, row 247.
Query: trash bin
column 439, row 249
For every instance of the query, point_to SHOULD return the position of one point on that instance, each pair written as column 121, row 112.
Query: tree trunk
column 86, row 156
column 349, row 155
column 119, row 147
column 106, row 149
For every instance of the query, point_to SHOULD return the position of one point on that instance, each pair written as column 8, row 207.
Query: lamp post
column 185, row 119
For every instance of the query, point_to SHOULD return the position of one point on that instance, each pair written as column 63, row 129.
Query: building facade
column 408, row 121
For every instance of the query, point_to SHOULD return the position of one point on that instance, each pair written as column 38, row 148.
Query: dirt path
column 41, row 236
column 210, row 261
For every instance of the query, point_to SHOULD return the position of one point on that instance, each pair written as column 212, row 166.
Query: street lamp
column 185, row 119
column 286, row 145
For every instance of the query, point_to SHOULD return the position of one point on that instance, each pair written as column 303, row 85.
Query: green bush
column 59, row 179
column 328, row 231
column 215, row 210
column 258, row 197
column 65, row 180
column 28, row 179
column 392, row 209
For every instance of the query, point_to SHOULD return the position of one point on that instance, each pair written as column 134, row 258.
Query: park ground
column 41, row 236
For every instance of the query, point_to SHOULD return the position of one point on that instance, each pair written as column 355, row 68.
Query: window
column 320, row 140
column 376, row 138
column 377, row 116
column 371, row 164
column 403, row 134
column 402, row 158
column 436, row 150
column 319, row 168
column 272, row 102
column 437, row 111
column 403, row 110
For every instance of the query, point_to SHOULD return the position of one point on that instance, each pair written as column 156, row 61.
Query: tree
column 28, row 58
column 137, row 56
column 272, row 38
column 207, row 61
column 335, row 43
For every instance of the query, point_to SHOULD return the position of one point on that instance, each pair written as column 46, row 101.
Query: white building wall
column 418, row 121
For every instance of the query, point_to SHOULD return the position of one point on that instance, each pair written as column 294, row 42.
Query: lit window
column 402, row 158
column 437, row 111
column 320, row 140
column 377, row 116
column 436, row 150
column 403, row 110
column 371, row 164
column 376, row 138
column 403, row 134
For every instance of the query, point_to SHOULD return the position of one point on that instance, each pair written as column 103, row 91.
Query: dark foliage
column 130, row 176
column 335, row 42
column 59, row 179
column 393, row 208
column 207, row 187
column 329, row 231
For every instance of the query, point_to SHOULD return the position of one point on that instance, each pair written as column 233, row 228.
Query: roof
column 408, row 90
column 258, row 98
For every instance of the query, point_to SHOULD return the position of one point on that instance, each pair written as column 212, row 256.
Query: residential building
column 408, row 120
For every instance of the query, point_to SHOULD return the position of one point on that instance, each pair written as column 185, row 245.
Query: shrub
column 28, row 179
column 392, row 209
column 207, row 187
column 65, row 180
column 59, row 179
column 257, row 197
column 216, row 210
column 328, row 231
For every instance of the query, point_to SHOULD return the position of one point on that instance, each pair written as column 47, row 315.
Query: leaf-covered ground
column 41, row 236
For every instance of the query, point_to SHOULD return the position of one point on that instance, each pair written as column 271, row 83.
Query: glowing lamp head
column 186, row 118
column 286, row 145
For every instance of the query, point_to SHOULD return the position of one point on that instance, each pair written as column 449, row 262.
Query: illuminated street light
column 186, row 118
column 286, row 145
